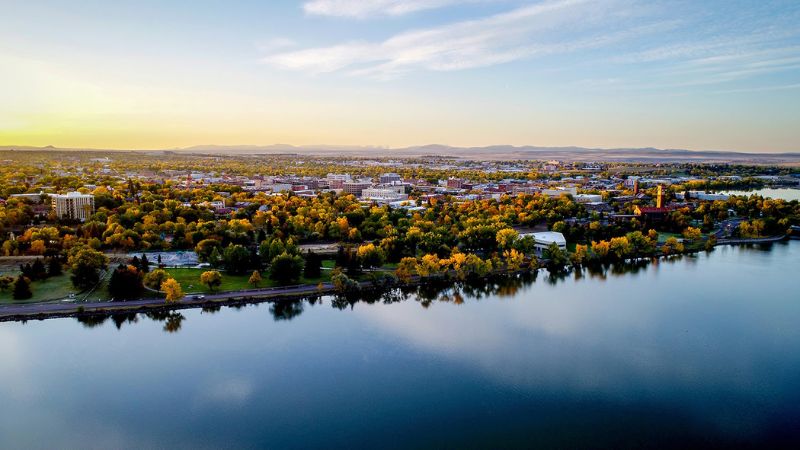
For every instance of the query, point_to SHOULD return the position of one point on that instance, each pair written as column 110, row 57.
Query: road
column 65, row 308
column 726, row 227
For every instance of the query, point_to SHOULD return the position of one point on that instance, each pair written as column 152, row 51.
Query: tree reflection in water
column 213, row 309
column 286, row 309
column 92, row 321
column 172, row 319
column 120, row 319
column 457, row 292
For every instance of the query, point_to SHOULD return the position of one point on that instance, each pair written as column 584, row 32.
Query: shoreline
column 44, row 311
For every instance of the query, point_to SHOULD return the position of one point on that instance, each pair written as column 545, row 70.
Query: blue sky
column 607, row 73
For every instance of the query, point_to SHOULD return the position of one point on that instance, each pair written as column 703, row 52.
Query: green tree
column 236, row 259
column 205, row 248
column 38, row 270
column 313, row 266
column 556, row 258
column 22, row 288
column 286, row 269
column 215, row 259
column 86, row 265
column 54, row 268
column 125, row 283
column 154, row 279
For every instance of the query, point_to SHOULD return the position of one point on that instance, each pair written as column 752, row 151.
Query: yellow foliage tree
column 429, row 265
column 514, row 259
column 406, row 269
column 211, row 278
column 172, row 289
column 506, row 238
column 600, row 249
column 37, row 247
column 581, row 254
column 255, row 278
column 692, row 233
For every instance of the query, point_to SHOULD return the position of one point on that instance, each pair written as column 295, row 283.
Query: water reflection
column 688, row 352
column 286, row 310
column 438, row 290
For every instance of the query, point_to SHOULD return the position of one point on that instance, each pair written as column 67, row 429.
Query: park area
column 189, row 278
column 57, row 288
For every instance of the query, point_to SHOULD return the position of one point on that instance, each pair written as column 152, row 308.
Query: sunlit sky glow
column 720, row 75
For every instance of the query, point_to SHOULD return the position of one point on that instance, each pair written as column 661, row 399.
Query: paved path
column 33, row 309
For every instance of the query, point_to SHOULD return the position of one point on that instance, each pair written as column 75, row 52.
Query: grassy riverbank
column 53, row 288
column 190, row 281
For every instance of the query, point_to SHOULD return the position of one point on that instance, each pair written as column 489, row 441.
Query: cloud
column 368, row 8
column 226, row 391
column 276, row 44
column 549, row 27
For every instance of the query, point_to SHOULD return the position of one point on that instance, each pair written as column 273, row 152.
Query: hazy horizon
column 606, row 74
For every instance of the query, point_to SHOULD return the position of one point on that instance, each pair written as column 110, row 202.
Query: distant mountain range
column 497, row 152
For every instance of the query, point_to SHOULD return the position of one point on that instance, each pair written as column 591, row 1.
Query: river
column 695, row 351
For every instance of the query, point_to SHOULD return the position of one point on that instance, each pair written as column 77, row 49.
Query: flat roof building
column 544, row 239
column 73, row 205
column 383, row 195
column 355, row 187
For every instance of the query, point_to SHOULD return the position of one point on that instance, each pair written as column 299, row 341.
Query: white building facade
column 73, row 205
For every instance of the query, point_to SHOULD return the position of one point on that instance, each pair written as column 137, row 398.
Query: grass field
column 663, row 236
column 54, row 288
column 190, row 280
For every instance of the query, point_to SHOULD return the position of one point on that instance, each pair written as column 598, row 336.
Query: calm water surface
column 782, row 193
column 699, row 351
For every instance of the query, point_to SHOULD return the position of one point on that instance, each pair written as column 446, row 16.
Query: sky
column 150, row 74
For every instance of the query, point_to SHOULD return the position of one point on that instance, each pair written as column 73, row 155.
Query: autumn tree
column 211, row 278
column 254, row 279
column 6, row 282
column 692, row 234
column 580, row 255
column 155, row 278
column 406, row 268
column 370, row 256
column 428, row 266
column 506, row 238
column 513, row 259
column 172, row 289
column 672, row 246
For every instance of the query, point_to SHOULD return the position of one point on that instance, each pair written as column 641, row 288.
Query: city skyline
column 610, row 74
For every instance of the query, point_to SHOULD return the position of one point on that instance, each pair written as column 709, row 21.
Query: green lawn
column 663, row 236
column 55, row 288
column 190, row 280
